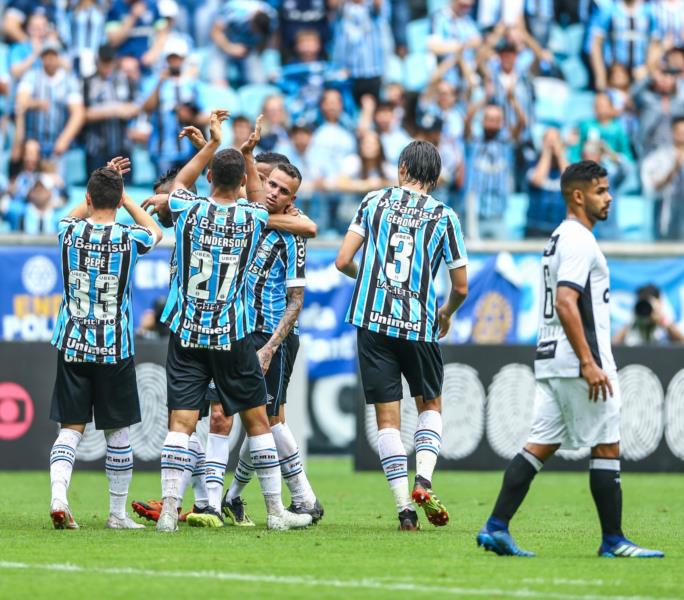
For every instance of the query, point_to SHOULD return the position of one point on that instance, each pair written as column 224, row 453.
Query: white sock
column 119, row 469
column 198, row 474
column 395, row 465
column 243, row 472
column 428, row 441
column 62, row 457
column 190, row 468
column 264, row 456
column 174, row 458
column 291, row 466
column 217, row 459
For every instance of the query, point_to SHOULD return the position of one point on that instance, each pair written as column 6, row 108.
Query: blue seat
column 75, row 166
column 214, row 96
column 516, row 215
column 394, row 69
column 635, row 218
column 434, row 5
column 252, row 98
column 417, row 32
column 580, row 107
column 144, row 172
column 575, row 73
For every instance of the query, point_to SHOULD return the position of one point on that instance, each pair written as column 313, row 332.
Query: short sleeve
column 181, row 200
column 295, row 257
column 575, row 261
column 454, row 251
column 65, row 223
column 143, row 237
column 258, row 211
column 359, row 223
column 27, row 83
column 74, row 92
column 601, row 24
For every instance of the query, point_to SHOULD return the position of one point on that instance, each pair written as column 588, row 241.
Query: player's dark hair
column 105, row 188
column 271, row 158
column 583, row 173
column 227, row 169
column 290, row 170
column 167, row 178
column 422, row 162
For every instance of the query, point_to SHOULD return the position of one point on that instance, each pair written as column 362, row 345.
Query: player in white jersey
column 577, row 401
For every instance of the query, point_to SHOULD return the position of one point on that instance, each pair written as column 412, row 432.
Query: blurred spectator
column 242, row 129
column 303, row 80
column 650, row 323
column 331, row 141
column 81, row 27
column 539, row 18
column 625, row 33
column 296, row 16
column 358, row 46
column 49, row 106
column 605, row 127
column 18, row 13
column 298, row 150
column 168, row 37
column 132, row 26
column 274, row 128
column 400, row 14
column 31, row 167
column 173, row 102
column 452, row 29
column 657, row 98
column 151, row 326
column 242, row 31
column 662, row 174
column 669, row 18
column 546, row 208
column 39, row 211
column 493, row 12
column 367, row 169
column 382, row 118
column 429, row 128
column 110, row 101
column 489, row 164
column 25, row 55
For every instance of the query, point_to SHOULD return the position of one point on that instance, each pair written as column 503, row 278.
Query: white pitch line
column 562, row 581
column 366, row 583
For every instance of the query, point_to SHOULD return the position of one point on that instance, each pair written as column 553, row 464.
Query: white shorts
column 563, row 414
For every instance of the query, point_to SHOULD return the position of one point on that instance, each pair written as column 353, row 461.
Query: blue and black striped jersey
column 95, row 322
column 208, row 301
column 280, row 263
column 407, row 234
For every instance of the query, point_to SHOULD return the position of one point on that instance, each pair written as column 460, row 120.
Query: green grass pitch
column 356, row 551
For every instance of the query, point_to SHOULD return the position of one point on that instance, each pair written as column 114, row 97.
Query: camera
column 643, row 309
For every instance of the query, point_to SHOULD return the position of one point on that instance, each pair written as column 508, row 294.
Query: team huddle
column 236, row 290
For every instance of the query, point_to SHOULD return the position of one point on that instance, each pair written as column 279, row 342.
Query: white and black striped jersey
column 573, row 258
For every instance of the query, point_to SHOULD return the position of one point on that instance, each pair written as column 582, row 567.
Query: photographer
column 650, row 325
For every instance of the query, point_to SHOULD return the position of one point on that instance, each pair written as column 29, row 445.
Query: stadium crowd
column 510, row 92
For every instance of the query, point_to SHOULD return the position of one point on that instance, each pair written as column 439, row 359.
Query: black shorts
column 82, row 389
column 384, row 359
column 236, row 374
column 279, row 371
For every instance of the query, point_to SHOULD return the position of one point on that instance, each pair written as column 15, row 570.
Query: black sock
column 516, row 482
column 604, row 481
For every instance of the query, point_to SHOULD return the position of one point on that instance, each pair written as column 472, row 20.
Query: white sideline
column 371, row 584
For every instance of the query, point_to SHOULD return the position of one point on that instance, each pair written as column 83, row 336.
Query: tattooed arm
column 295, row 301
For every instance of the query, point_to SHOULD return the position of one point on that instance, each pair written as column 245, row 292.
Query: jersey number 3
column 399, row 267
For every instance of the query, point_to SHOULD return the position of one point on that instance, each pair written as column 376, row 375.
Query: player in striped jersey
column 94, row 336
column 577, row 401
column 405, row 234
column 277, row 280
column 209, row 314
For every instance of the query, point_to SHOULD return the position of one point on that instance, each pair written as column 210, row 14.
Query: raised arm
column 141, row 217
column 255, row 187
column 296, row 224
column 193, row 168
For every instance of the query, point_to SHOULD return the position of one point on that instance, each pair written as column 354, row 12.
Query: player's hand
column 195, row 136
column 444, row 323
column 265, row 356
column 159, row 205
column 599, row 383
column 291, row 209
column 215, row 121
column 254, row 138
column 120, row 164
